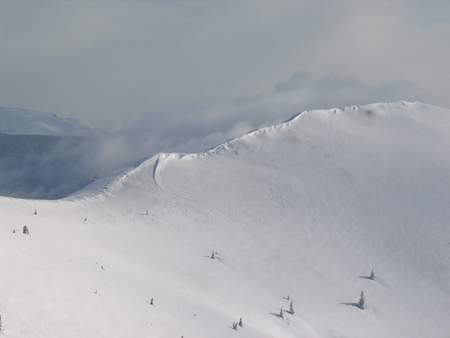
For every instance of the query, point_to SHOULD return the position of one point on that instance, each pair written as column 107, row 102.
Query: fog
column 111, row 63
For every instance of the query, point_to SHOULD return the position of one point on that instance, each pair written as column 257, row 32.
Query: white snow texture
column 306, row 209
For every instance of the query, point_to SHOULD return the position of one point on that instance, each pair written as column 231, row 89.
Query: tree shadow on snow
column 216, row 258
column 352, row 304
column 367, row 277
column 275, row 314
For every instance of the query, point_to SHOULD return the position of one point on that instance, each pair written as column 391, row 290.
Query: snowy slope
column 27, row 122
column 304, row 208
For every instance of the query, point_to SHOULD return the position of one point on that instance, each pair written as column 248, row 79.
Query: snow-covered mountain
column 306, row 209
column 43, row 155
column 27, row 122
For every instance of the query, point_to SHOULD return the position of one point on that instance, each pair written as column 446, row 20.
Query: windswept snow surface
column 305, row 208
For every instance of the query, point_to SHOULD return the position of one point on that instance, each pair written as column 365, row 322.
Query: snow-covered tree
column 25, row 230
column 235, row 326
column 291, row 308
column 281, row 313
column 213, row 255
column 372, row 275
column 362, row 301
column 241, row 324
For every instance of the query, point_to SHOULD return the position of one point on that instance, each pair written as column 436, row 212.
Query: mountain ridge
column 18, row 121
column 156, row 161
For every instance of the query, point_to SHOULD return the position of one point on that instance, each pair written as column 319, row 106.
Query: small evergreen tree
column 362, row 301
column 372, row 275
column 241, row 324
column 213, row 255
column 151, row 301
column 281, row 313
column 25, row 230
column 291, row 308
column 35, row 212
column 235, row 326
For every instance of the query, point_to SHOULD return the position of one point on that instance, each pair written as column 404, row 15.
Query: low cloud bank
column 34, row 166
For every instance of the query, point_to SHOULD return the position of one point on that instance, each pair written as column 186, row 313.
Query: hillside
column 306, row 209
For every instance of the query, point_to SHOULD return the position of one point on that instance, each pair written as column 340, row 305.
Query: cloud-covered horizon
column 112, row 63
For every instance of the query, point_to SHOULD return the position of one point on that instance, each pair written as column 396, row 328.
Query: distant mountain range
column 27, row 122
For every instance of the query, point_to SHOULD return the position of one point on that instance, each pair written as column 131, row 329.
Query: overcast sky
column 219, row 66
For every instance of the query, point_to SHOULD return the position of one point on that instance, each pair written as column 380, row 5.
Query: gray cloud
column 198, row 128
column 109, row 63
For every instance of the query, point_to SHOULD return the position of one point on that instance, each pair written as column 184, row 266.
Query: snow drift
column 306, row 209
